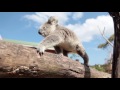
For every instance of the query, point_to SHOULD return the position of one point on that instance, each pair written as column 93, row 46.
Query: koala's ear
column 53, row 20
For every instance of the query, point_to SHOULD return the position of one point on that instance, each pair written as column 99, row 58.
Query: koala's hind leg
column 61, row 51
column 85, row 57
column 58, row 50
column 83, row 54
column 65, row 53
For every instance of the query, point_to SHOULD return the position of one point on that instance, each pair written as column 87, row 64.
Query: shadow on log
column 17, row 61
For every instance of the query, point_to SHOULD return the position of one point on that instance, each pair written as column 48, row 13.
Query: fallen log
column 17, row 61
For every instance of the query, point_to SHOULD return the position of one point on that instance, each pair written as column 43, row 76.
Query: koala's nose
column 39, row 32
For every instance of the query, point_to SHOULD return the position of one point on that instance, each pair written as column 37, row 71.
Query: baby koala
column 62, row 39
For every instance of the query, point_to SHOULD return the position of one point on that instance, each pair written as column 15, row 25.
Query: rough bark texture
column 116, row 53
column 20, row 61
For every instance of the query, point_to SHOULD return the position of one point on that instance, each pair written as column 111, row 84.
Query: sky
column 24, row 26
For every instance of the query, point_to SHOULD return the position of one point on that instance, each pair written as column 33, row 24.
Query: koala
column 61, row 38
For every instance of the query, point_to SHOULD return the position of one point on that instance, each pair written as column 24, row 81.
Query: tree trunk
column 116, row 52
column 22, row 61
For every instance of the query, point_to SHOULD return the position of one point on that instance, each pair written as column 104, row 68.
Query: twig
column 105, row 37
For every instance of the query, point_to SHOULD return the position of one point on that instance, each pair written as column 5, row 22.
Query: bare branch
column 104, row 36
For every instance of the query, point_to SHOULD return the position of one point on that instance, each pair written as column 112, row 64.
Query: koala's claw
column 41, row 54
column 40, row 51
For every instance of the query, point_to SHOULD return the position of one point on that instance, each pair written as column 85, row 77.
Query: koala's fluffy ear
column 53, row 20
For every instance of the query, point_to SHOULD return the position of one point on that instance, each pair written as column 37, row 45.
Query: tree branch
column 21, row 61
column 105, row 37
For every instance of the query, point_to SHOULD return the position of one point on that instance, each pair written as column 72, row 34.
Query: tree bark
column 116, row 52
column 21, row 61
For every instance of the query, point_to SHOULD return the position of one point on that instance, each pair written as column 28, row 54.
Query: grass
column 101, row 68
column 21, row 42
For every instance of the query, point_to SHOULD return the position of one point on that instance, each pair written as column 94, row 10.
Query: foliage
column 104, row 45
column 99, row 67
column 104, row 68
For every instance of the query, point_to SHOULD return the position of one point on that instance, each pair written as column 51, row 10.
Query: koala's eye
column 44, row 27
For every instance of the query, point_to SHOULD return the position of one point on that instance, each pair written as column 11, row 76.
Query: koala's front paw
column 41, row 50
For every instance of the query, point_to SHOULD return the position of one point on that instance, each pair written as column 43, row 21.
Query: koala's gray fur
column 62, row 39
